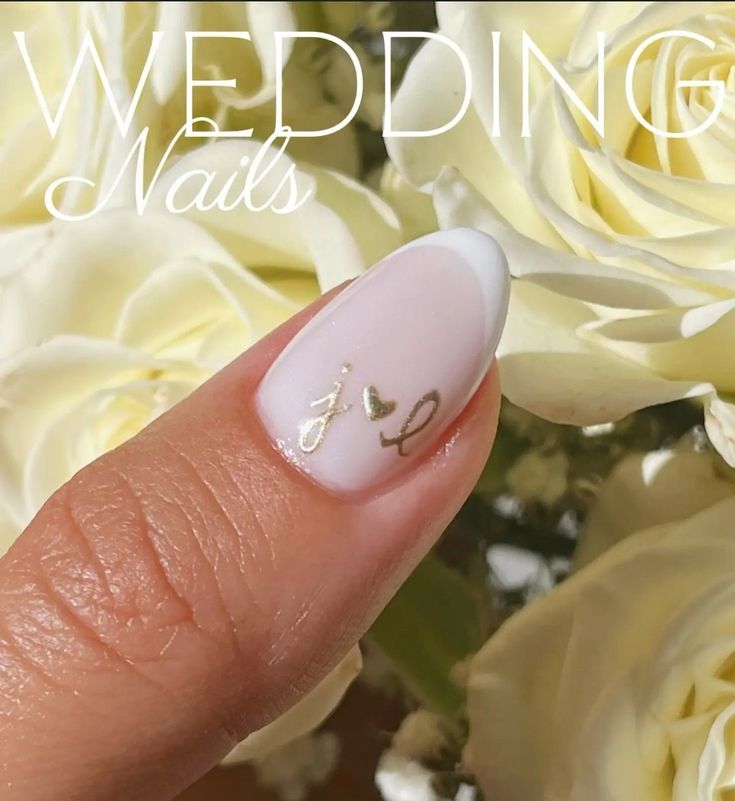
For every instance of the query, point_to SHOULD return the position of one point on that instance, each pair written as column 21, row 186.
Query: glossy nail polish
column 371, row 382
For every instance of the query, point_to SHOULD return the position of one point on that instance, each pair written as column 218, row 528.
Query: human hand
column 190, row 586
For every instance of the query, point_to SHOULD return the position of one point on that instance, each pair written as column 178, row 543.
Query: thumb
column 189, row 587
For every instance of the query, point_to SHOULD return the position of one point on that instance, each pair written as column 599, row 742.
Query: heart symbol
column 375, row 408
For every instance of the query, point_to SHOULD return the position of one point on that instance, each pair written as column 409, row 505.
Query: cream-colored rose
column 647, row 490
column 619, row 684
column 415, row 209
column 88, row 142
column 29, row 157
column 107, row 323
column 624, row 246
column 318, row 80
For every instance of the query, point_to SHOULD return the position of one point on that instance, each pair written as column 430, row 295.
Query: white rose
column 624, row 245
column 647, row 490
column 88, row 142
column 319, row 81
column 414, row 208
column 619, row 684
column 107, row 323
column 110, row 321
column 29, row 157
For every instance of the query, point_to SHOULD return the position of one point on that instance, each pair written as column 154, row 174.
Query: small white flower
column 420, row 736
column 514, row 568
column 537, row 476
column 402, row 779
column 303, row 763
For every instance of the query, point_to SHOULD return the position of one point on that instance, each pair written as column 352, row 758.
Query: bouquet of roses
column 570, row 638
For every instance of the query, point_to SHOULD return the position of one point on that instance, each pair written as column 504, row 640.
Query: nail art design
column 407, row 429
column 403, row 349
column 375, row 407
column 313, row 431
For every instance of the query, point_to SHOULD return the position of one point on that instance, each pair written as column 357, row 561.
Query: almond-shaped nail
column 374, row 379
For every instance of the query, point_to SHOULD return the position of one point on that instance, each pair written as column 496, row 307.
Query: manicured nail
column 372, row 382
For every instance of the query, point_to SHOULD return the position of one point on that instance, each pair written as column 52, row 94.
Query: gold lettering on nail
column 313, row 431
column 375, row 407
column 406, row 431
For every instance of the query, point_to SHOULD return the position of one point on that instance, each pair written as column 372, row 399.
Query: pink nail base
column 373, row 380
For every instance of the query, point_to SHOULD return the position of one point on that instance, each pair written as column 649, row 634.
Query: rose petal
column 539, row 344
column 644, row 491
column 305, row 716
column 172, row 20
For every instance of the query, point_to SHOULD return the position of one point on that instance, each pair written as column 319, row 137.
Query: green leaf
column 436, row 620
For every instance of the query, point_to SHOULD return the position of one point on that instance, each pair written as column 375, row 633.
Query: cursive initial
column 406, row 431
column 313, row 431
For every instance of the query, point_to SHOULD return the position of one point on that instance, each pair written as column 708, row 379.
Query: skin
column 185, row 589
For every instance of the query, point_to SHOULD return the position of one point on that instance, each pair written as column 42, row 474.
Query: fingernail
column 372, row 382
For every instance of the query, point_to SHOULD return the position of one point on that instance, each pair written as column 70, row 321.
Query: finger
column 188, row 587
